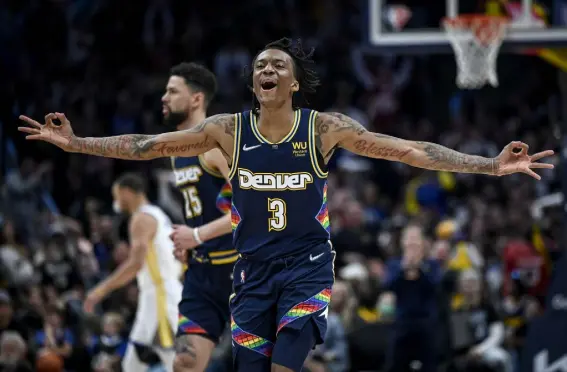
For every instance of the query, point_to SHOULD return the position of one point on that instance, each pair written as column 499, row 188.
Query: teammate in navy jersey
column 278, row 155
column 206, row 239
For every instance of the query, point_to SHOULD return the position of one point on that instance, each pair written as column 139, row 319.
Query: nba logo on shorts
column 242, row 276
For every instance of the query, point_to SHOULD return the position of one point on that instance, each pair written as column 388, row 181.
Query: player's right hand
column 59, row 135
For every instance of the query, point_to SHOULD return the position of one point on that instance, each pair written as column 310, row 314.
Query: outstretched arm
column 337, row 130
column 215, row 131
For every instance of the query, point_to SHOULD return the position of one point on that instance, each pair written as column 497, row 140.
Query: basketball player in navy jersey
column 278, row 155
column 203, row 182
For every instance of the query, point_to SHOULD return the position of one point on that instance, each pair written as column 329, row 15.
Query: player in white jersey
column 152, row 262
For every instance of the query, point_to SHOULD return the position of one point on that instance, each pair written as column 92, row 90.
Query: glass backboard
column 533, row 24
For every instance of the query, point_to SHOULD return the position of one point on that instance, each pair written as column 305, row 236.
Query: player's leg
column 253, row 313
column 303, row 308
column 167, row 357
column 250, row 352
column 203, row 315
column 131, row 362
column 139, row 358
column 140, row 354
column 192, row 353
column 292, row 347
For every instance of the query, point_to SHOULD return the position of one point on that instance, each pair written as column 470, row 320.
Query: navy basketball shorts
column 288, row 294
column 204, row 309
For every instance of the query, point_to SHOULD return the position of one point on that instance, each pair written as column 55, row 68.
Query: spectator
column 58, row 272
column 16, row 266
column 55, row 336
column 109, row 348
column 7, row 320
column 413, row 281
column 482, row 338
column 518, row 307
column 158, row 24
column 23, row 194
column 13, row 353
column 32, row 311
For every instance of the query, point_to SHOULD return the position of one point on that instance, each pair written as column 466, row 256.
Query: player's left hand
column 92, row 299
column 181, row 255
column 514, row 158
column 183, row 237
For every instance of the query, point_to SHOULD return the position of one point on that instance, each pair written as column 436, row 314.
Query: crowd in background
column 106, row 68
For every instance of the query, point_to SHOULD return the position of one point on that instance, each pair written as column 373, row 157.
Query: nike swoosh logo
column 244, row 148
column 313, row 258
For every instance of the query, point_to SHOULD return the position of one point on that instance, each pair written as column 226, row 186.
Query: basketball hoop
column 476, row 40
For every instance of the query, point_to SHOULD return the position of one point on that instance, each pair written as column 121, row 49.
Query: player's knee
column 185, row 362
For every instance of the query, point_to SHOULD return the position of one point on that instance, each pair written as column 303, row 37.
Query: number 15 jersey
column 279, row 203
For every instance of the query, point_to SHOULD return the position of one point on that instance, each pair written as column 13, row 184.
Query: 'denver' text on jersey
column 279, row 204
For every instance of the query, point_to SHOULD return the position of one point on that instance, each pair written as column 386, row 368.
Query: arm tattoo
column 144, row 147
column 329, row 123
column 372, row 150
column 443, row 158
column 419, row 154
column 227, row 122
column 184, row 345
column 132, row 146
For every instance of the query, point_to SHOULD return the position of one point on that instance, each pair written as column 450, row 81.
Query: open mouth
column 268, row 85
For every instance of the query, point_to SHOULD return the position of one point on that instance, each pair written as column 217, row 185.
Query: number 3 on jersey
column 278, row 220
column 193, row 205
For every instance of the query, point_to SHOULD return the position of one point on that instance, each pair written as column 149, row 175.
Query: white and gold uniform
column 159, row 295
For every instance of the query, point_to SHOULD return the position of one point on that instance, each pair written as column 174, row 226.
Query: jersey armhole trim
column 236, row 145
column 213, row 172
column 312, row 148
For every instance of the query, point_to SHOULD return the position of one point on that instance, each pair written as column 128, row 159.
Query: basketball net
column 476, row 41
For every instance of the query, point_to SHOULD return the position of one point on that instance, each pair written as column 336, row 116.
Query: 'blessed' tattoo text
column 370, row 149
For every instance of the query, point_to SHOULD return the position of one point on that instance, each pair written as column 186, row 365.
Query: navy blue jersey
column 206, row 197
column 279, row 204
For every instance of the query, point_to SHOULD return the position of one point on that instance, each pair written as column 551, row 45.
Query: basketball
column 49, row 362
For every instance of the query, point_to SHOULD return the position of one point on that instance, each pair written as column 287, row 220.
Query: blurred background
column 486, row 247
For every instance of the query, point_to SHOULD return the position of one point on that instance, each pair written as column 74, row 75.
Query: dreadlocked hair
column 303, row 69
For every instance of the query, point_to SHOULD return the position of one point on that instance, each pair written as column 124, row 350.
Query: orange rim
column 485, row 28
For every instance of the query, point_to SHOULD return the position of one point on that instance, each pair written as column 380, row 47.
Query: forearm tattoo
column 445, row 159
column 419, row 154
column 143, row 147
